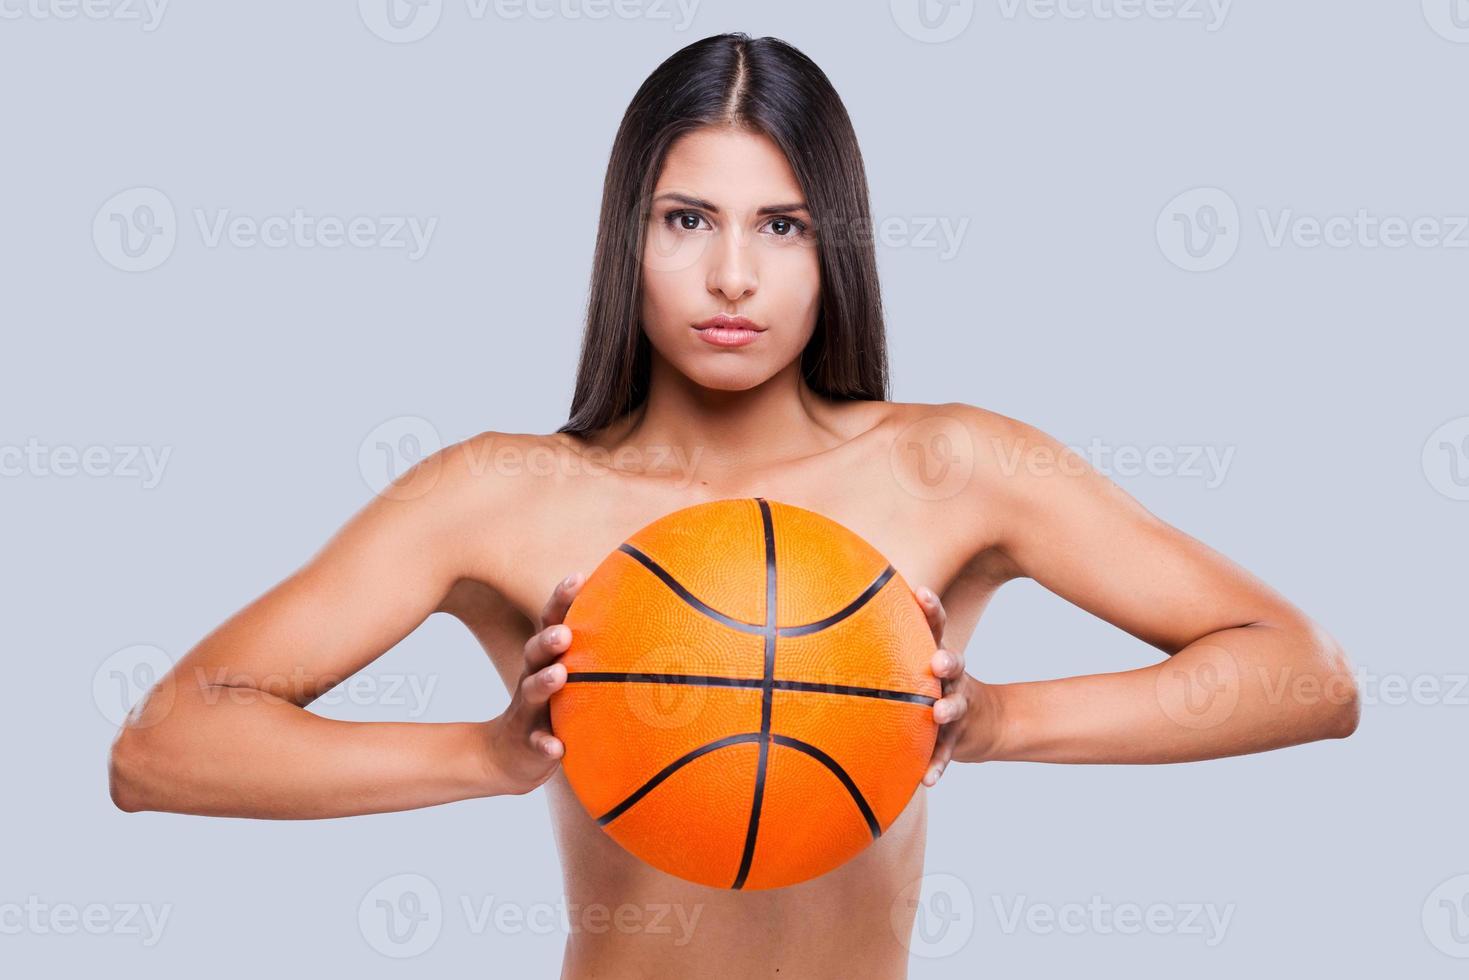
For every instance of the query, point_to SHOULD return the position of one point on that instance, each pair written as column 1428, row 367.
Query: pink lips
column 728, row 331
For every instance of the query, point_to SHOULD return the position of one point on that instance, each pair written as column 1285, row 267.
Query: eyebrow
column 712, row 208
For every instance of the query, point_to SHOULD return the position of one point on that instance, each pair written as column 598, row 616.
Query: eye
column 687, row 220
column 786, row 227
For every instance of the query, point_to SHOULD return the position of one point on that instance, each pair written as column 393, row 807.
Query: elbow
column 124, row 773
column 1342, row 707
column 1346, row 708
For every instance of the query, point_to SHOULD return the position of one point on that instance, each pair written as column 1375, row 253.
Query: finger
column 943, row 751
column 947, row 710
column 547, row 744
column 555, row 609
column 544, row 647
column 946, row 663
column 536, row 689
column 933, row 611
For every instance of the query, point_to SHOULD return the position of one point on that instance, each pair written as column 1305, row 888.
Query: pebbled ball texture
column 748, row 701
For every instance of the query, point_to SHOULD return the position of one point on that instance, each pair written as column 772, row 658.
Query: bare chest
column 571, row 523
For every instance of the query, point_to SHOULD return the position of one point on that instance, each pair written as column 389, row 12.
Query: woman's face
column 729, row 233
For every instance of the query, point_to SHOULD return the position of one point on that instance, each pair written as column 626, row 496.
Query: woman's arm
column 1247, row 670
column 226, row 732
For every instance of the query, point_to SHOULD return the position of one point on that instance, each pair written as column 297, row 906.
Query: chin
column 734, row 378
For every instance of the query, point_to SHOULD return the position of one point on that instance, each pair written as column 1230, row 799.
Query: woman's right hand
column 523, row 752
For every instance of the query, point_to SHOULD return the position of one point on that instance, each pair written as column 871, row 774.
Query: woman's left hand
column 951, row 710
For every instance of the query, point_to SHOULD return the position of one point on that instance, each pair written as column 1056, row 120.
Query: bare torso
column 849, row 923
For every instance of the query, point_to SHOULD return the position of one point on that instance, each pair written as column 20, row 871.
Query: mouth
column 724, row 321
column 728, row 331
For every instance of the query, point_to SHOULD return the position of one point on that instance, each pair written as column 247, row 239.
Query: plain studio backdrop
column 255, row 257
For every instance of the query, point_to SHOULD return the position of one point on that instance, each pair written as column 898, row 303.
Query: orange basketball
column 748, row 701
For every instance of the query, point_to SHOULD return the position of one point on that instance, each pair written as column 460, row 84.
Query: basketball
column 748, row 701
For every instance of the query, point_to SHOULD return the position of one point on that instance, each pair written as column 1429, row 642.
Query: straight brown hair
column 764, row 85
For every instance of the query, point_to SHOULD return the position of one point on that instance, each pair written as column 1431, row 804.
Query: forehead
column 734, row 169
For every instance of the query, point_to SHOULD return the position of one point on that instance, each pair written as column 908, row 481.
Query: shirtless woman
column 734, row 187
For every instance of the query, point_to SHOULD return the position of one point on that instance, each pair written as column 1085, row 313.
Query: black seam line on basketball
column 688, row 596
column 839, row 772
column 843, row 613
column 803, row 629
column 709, row 680
column 672, row 768
column 766, row 695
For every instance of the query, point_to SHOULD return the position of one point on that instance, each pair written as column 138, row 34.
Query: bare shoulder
column 986, row 472
column 978, row 444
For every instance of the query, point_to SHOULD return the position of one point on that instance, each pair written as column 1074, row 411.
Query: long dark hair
column 767, row 86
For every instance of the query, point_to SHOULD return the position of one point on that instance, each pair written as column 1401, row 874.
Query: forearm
column 246, row 753
column 1234, row 692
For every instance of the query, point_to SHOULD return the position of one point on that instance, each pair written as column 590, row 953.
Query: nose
column 732, row 269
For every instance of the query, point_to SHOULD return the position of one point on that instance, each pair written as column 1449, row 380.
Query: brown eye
column 687, row 220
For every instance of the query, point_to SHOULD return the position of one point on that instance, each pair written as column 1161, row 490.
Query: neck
column 725, row 431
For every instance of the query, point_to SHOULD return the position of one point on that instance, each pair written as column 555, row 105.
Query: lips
column 724, row 321
column 728, row 331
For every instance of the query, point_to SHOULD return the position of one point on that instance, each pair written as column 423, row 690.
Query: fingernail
column 556, row 634
column 925, row 593
column 568, row 581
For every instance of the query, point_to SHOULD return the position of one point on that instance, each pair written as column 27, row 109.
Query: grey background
column 262, row 372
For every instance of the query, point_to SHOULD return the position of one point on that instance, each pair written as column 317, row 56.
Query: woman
column 734, row 347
